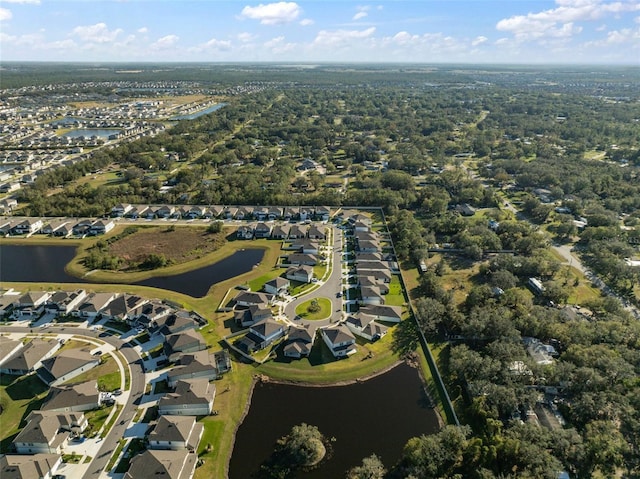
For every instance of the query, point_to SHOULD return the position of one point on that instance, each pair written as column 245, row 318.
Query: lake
column 375, row 416
column 89, row 132
column 192, row 116
column 45, row 264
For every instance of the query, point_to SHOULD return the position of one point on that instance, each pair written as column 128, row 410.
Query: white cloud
column 215, row 44
column 479, row 41
column 341, row 37
column 5, row 14
column 360, row 15
column 559, row 21
column 31, row 2
column 165, row 42
column 305, row 22
column 273, row 13
column 143, row 30
column 245, row 37
column 98, row 33
column 278, row 45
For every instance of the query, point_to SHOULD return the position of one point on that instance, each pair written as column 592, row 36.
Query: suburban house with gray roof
column 199, row 364
column 93, row 305
column 47, row 432
column 339, row 340
column 245, row 317
column 261, row 334
column 154, row 463
column 30, row 357
column 79, row 397
column 176, row 433
column 389, row 314
column 66, row 365
column 302, row 259
column 302, row 273
column 8, row 347
column 188, row 341
column 192, row 397
column 247, row 298
column 365, row 326
column 31, row 303
column 29, row 466
column 124, row 307
column 299, row 342
column 277, row 286
column 63, row 302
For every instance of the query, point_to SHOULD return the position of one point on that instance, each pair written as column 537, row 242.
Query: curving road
column 329, row 288
column 137, row 386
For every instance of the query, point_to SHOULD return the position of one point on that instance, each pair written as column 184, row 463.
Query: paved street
column 329, row 288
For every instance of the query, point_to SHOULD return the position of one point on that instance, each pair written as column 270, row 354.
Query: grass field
column 107, row 374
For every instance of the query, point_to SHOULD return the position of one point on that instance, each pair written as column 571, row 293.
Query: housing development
column 326, row 270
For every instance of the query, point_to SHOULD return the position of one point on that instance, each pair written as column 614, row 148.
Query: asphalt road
column 137, row 387
column 328, row 289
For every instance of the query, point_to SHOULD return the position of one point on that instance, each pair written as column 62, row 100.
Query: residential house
column 368, row 257
column 262, row 230
column 260, row 213
column 322, row 213
column 280, row 232
column 247, row 298
column 302, row 259
column 101, row 227
column 78, row 398
column 82, row 227
column 317, row 233
column 261, row 335
column 299, row 342
column 372, row 265
column 165, row 211
column 29, row 358
column 244, row 232
column 9, row 347
column 94, row 305
column 303, row 273
column 136, row 212
column 123, row 307
column 368, row 246
column 370, row 295
column 305, row 246
column 274, row 213
column 305, row 213
column 7, row 303
column 188, row 341
column 6, row 226
column 361, row 226
column 29, row 466
column 154, row 463
column 297, row 232
column 340, row 341
column 249, row 315
column 27, row 226
column 199, row 364
column 176, row 433
column 365, row 326
column 149, row 312
column 229, row 213
column 291, row 213
column 47, row 432
column 365, row 280
column 51, row 227
column 277, row 286
column 66, row 365
column 7, row 205
column 379, row 275
column 121, row 210
column 63, row 230
column 63, row 302
column 192, row 397
column 244, row 213
column 389, row 314
column 173, row 324
column 31, row 304
column 466, row 209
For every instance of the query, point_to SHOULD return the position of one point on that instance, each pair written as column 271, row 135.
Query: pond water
column 31, row 263
column 89, row 132
column 192, row 116
column 375, row 416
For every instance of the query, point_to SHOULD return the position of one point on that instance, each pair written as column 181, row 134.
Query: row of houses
column 282, row 232
column 259, row 213
column 61, row 227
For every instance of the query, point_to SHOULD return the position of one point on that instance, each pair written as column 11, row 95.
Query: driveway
column 331, row 286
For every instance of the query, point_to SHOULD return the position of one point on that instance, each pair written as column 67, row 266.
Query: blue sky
column 449, row 31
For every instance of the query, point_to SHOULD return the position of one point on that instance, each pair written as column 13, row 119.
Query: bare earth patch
column 176, row 245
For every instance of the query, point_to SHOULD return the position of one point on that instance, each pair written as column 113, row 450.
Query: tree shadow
column 405, row 338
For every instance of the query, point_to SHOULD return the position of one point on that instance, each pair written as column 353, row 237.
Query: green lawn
column 18, row 397
column 324, row 311
column 396, row 294
column 96, row 419
column 256, row 284
column 106, row 373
